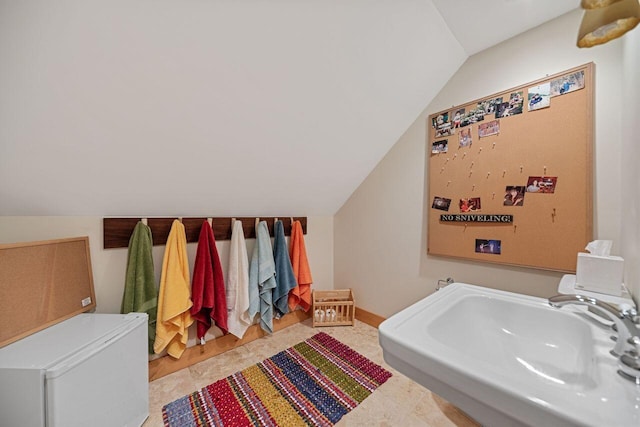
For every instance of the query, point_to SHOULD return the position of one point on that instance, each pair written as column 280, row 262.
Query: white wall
column 630, row 153
column 380, row 232
column 189, row 103
column 109, row 265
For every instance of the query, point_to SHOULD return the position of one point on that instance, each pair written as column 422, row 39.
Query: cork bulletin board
column 43, row 283
column 510, row 175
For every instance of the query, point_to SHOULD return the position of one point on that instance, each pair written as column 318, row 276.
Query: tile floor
column 398, row 402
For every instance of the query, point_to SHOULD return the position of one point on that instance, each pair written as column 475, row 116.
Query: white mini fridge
column 89, row 370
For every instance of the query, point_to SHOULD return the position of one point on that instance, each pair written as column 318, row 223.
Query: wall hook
column 210, row 221
column 144, row 221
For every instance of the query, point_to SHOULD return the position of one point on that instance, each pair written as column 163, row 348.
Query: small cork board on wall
column 43, row 283
column 510, row 175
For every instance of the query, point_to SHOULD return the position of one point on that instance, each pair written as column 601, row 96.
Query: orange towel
column 299, row 296
column 174, row 298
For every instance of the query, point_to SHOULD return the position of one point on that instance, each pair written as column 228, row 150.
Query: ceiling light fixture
column 595, row 4
column 606, row 20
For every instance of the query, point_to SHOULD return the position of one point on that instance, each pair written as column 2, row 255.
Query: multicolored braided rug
column 313, row 383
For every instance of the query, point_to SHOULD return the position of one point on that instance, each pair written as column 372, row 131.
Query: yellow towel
column 174, row 299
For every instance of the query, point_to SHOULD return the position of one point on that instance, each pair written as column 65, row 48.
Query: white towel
column 238, row 283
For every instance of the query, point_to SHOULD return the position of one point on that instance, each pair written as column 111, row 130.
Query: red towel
column 299, row 296
column 207, row 288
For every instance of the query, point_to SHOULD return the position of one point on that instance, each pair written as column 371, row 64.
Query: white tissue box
column 602, row 274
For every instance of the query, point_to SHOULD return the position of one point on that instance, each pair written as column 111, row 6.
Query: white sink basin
column 509, row 359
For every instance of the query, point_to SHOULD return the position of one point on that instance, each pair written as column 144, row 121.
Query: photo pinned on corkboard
column 567, row 83
column 489, row 128
column 542, row 184
column 490, row 106
column 441, row 203
column 488, row 246
column 464, row 137
column 470, row 205
column 516, row 101
column 441, row 146
column 539, row 97
column 457, row 118
column 442, row 125
column 514, row 195
column 502, row 110
column 473, row 116
column 511, row 108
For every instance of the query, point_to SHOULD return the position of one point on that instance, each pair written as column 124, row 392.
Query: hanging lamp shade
column 608, row 21
column 595, row 4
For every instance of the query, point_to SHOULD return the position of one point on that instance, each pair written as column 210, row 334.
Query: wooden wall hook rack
column 117, row 231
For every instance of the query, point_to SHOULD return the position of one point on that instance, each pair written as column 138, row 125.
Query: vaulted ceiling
column 211, row 107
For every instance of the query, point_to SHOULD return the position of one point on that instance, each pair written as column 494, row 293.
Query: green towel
column 140, row 293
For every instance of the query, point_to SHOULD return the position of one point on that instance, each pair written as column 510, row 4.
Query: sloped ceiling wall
column 160, row 107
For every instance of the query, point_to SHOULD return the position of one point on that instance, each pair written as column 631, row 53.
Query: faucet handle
column 629, row 366
column 627, row 309
column 630, row 312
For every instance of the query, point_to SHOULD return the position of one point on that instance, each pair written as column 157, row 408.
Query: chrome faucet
column 628, row 342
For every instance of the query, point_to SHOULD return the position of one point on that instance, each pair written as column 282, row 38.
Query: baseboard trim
column 368, row 317
column 166, row 365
